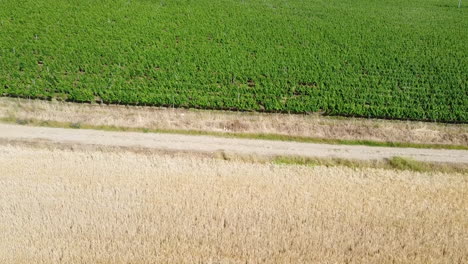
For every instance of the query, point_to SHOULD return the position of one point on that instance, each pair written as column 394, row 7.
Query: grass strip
column 275, row 137
column 394, row 163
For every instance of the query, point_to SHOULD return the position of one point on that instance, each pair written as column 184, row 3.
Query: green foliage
column 407, row 164
column 75, row 125
column 388, row 59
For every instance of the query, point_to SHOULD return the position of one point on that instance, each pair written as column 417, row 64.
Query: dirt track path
column 212, row 144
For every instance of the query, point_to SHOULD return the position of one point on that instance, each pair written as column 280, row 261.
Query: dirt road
column 167, row 119
column 230, row 145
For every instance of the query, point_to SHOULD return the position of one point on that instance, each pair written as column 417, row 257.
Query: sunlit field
column 101, row 207
column 389, row 59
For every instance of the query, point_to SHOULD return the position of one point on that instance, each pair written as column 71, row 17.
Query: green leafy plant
column 390, row 59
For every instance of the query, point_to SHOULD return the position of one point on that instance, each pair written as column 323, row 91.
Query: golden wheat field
column 64, row 206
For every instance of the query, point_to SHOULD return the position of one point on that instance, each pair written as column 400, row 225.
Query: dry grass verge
column 314, row 128
column 123, row 207
column 394, row 163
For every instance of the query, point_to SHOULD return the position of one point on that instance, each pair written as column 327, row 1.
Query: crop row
column 395, row 59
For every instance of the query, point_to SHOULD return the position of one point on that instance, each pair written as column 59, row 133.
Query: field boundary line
column 394, row 163
column 260, row 136
column 201, row 143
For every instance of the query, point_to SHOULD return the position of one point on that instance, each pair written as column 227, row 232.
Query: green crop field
column 389, row 58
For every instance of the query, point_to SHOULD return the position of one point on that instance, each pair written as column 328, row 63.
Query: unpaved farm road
column 230, row 145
